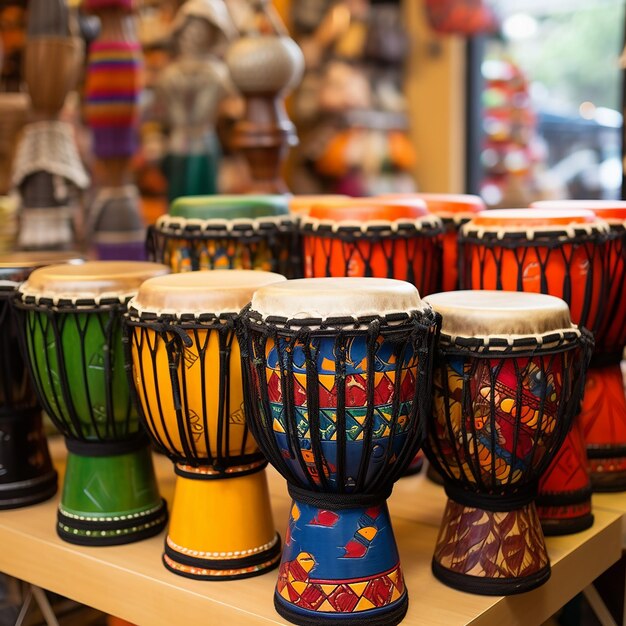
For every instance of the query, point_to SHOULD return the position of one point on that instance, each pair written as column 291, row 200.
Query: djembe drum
column 603, row 414
column 560, row 253
column 186, row 372
column 71, row 322
column 337, row 375
column 507, row 384
column 373, row 237
column 26, row 472
column 224, row 232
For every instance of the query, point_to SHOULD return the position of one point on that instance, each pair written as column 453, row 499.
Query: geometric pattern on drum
column 180, row 427
column 359, row 393
column 77, row 362
column 356, row 411
column 261, row 244
column 491, row 544
column 501, row 413
column 311, row 575
column 405, row 251
column 568, row 263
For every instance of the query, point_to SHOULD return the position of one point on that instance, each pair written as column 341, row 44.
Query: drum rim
column 428, row 224
column 180, row 226
column 329, row 325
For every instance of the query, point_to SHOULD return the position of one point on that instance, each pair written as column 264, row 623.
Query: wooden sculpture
column 47, row 170
column 191, row 89
column 265, row 64
column 112, row 91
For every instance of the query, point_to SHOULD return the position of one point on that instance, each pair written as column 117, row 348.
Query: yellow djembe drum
column 186, row 371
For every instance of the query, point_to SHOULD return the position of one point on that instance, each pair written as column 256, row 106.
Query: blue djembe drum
column 337, row 377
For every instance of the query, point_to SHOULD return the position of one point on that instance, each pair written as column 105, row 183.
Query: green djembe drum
column 224, row 233
column 70, row 320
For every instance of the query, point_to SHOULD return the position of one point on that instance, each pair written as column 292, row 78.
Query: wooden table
column 130, row 582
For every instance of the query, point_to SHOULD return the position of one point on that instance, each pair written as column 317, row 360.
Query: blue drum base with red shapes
column 340, row 565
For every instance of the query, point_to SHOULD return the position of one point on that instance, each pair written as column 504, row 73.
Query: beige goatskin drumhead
column 320, row 298
column 499, row 313
column 211, row 291
column 90, row 280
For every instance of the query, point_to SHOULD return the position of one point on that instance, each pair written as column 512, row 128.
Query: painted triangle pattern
column 343, row 596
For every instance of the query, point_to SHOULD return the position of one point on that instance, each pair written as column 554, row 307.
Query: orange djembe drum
column 187, row 377
column 559, row 253
column 603, row 415
column 368, row 237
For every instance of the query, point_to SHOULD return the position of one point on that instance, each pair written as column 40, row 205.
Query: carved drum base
column 603, row 419
column 27, row 475
column 491, row 553
column 109, row 499
column 340, row 566
column 221, row 528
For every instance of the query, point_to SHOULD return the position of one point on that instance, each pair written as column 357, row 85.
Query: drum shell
column 415, row 259
column 318, row 454
column 77, row 361
column 194, row 251
column 573, row 270
column 450, row 274
column 611, row 336
column 198, row 384
column 16, row 389
column 498, row 421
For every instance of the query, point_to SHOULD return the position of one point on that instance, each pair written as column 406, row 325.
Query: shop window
column 546, row 102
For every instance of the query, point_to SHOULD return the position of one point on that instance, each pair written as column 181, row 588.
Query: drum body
column 373, row 238
column 603, row 413
column 502, row 407
column 71, row 318
column 555, row 253
column 186, row 372
column 337, row 406
column 225, row 232
column 27, row 475
column 454, row 210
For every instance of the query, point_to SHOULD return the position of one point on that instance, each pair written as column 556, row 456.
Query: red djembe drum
column 603, row 414
column 560, row 253
column 337, row 380
column 369, row 237
column 507, row 384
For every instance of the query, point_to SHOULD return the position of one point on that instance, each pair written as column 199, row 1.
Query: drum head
column 529, row 218
column 499, row 313
column 448, row 205
column 90, row 280
column 609, row 210
column 229, row 207
column 195, row 293
column 322, row 298
column 369, row 210
column 301, row 205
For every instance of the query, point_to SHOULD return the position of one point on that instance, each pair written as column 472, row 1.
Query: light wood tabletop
column 130, row 582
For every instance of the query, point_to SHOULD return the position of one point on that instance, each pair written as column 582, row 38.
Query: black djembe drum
column 26, row 472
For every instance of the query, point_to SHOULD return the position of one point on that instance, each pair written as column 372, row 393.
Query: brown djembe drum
column 508, row 378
